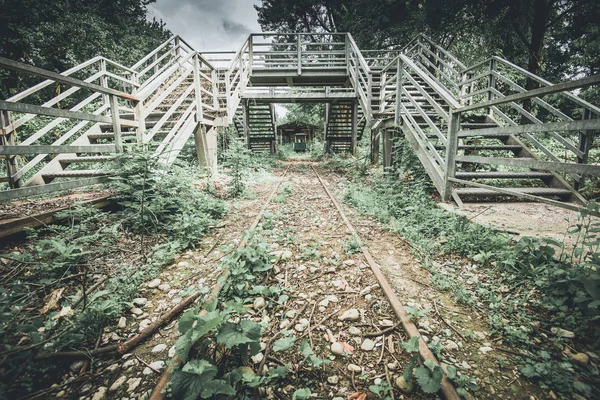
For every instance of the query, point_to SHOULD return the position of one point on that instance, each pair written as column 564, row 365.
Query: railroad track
column 330, row 207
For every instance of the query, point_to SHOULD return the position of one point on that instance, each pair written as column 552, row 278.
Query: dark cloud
column 208, row 24
column 235, row 28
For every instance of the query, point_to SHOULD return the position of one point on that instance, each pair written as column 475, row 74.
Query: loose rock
column 337, row 348
column 117, row 384
column 403, row 385
column 159, row 348
column 581, row 359
column 154, row 283
column 367, row 345
column 350, row 315
column 259, row 303
column 133, row 384
column 354, row 368
column 122, row 323
column 100, row 393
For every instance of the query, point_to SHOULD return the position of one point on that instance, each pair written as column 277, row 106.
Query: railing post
column 451, row 149
column 139, row 114
column 176, row 49
column 383, row 87
column 246, row 110
column 399, row 83
column 104, row 82
column 347, row 51
column 114, row 110
column 215, row 88
column 491, row 84
column 586, row 140
column 8, row 139
column 250, row 52
column 228, row 95
column 198, row 91
column 354, row 117
column 299, row 54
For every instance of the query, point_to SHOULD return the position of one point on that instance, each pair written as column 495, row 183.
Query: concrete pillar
column 375, row 137
column 387, row 149
column 206, row 148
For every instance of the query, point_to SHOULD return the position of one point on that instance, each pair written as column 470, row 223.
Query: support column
column 327, row 107
column 206, row 148
column 586, row 140
column 387, row 150
column 246, row 122
column 8, row 139
column 354, row 125
column 375, row 137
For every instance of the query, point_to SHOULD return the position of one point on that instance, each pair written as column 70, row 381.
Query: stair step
column 483, row 147
column 543, row 192
column 503, row 175
column 84, row 159
column 478, row 125
column 81, row 173
column 110, row 135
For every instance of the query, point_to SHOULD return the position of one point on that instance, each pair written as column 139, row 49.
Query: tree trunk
column 539, row 25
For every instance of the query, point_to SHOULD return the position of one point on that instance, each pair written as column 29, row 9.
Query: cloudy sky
column 208, row 25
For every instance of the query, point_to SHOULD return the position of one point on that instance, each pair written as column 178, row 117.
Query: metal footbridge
column 477, row 131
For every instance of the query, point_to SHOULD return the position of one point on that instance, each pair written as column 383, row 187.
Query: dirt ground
column 521, row 219
column 324, row 279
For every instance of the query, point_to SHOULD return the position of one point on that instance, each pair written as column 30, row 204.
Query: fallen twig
column 446, row 322
column 383, row 332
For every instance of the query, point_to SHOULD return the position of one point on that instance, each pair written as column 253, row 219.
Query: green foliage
column 60, row 34
column 353, row 245
column 244, row 264
column 237, row 160
column 246, row 332
column 197, row 379
column 284, row 193
column 414, row 314
column 309, row 355
column 301, row 394
column 284, row 344
column 429, row 377
column 157, row 201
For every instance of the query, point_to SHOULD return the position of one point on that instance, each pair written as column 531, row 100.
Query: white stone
column 122, row 323
column 367, row 345
column 563, row 333
column 403, row 385
column 183, row 264
column 354, row 368
column 465, row 365
column 100, row 393
column 130, row 363
column 157, row 365
column 354, row 331
column 137, row 311
column 451, row 345
column 144, row 324
column 117, row 384
column 140, row 301
column 485, row 349
column 337, row 348
column 165, row 287
column 333, row 379
column 291, row 314
column 286, row 255
column 133, row 384
column 172, row 352
column 258, row 358
column 159, row 348
column 154, row 283
column 259, row 303
column 76, row 366
column 350, row 315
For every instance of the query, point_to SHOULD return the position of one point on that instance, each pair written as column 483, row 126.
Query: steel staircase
column 477, row 131
column 261, row 134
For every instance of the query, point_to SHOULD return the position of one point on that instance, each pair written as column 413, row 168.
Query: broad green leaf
column 412, row 345
column 283, row 343
column 429, row 381
column 279, row 372
column 301, row 394
column 235, row 334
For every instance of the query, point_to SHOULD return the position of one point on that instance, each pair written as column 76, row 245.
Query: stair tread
column 503, row 174
column 87, row 159
column 76, row 173
column 537, row 191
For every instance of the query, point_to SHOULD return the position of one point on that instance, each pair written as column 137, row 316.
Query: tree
column 59, row 34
